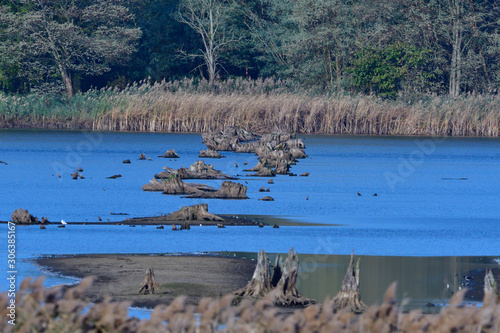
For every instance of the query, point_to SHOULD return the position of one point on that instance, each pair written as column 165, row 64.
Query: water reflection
column 421, row 279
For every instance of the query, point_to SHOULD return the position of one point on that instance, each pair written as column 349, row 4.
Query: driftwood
column 490, row 286
column 349, row 297
column 22, row 216
column 228, row 190
column 285, row 293
column 260, row 284
column 194, row 213
column 149, row 285
column 170, row 154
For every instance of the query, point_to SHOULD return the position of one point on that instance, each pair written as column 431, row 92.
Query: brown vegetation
column 179, row 107
column 52, row 310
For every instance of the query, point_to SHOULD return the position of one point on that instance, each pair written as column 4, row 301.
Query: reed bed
column 260, row 106
column 54, row 310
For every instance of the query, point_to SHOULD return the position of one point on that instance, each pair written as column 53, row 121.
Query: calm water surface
column 435, row 198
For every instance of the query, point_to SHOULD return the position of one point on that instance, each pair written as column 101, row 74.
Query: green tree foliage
column 386, row 71
column 54, row 40
column 384, row 47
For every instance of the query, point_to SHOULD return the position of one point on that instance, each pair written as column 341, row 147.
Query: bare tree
column 209, row 18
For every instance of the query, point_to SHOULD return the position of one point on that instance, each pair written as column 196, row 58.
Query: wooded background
column 385, row 47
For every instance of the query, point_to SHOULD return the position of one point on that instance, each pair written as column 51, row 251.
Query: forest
column 404, row 50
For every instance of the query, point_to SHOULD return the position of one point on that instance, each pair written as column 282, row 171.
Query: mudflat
column 120, row 276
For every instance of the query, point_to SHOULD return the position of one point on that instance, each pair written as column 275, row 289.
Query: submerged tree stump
column 194, row 213
column 285, row 293
column 22, row 216
column 149, row 285
column 260, row 284
column 349, row 297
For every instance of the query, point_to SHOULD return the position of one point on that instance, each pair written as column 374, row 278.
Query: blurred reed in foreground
column 52, row 310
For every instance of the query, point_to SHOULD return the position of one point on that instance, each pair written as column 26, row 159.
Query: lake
column 437, row 204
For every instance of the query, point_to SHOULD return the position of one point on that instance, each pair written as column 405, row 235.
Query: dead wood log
column 260, row 284
column 149, row 285
column 285, row 293
column 349, row 297
column 490, row 285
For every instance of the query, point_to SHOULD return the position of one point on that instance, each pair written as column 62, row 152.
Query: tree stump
column 285, row 293
column 349, row 297
column 490, row 285
column 22, row 216
column 260, row 284
column 194, row 213
column 149, row 285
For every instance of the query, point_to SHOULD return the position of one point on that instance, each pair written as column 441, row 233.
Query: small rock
column 126, row 162
column 305, row 174
column 114, row 177
column 270, row 181
column 142, row 157
column 266, row 198
column 276, row 226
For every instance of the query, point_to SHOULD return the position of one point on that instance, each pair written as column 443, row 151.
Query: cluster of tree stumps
column 279, row 284
column 276, row 153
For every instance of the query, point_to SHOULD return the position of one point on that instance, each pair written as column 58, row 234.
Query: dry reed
column 259, row 106
column 52, row 310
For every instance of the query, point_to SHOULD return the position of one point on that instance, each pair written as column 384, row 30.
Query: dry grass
column 259, row 106
column 52, row 310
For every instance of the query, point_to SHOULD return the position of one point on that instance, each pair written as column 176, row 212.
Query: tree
column 54, row 40
column 209, row 18
column 384, row 71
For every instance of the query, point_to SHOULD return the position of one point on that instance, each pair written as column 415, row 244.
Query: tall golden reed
column 263, row 106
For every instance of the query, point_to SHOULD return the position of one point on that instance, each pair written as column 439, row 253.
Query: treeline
column 384, row 48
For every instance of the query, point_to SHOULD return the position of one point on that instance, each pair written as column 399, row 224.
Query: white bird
column 64, row 222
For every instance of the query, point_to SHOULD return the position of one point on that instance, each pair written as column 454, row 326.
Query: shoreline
column 62, row 126
column 120, row 275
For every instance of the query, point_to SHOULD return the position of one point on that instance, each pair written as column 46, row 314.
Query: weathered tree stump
column 194, row 213
column 490, row 285
column 209, row 154
column 349, row 297
column 260, row 284
column 169, row 154
column 199, row 170
column 285, row 293
column 228, row 190
column 22, row 216
column 149, row 285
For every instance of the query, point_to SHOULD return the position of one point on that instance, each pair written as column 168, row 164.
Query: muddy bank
column 120, row 276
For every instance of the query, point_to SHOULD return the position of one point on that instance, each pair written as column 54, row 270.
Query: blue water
column 435, row 197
